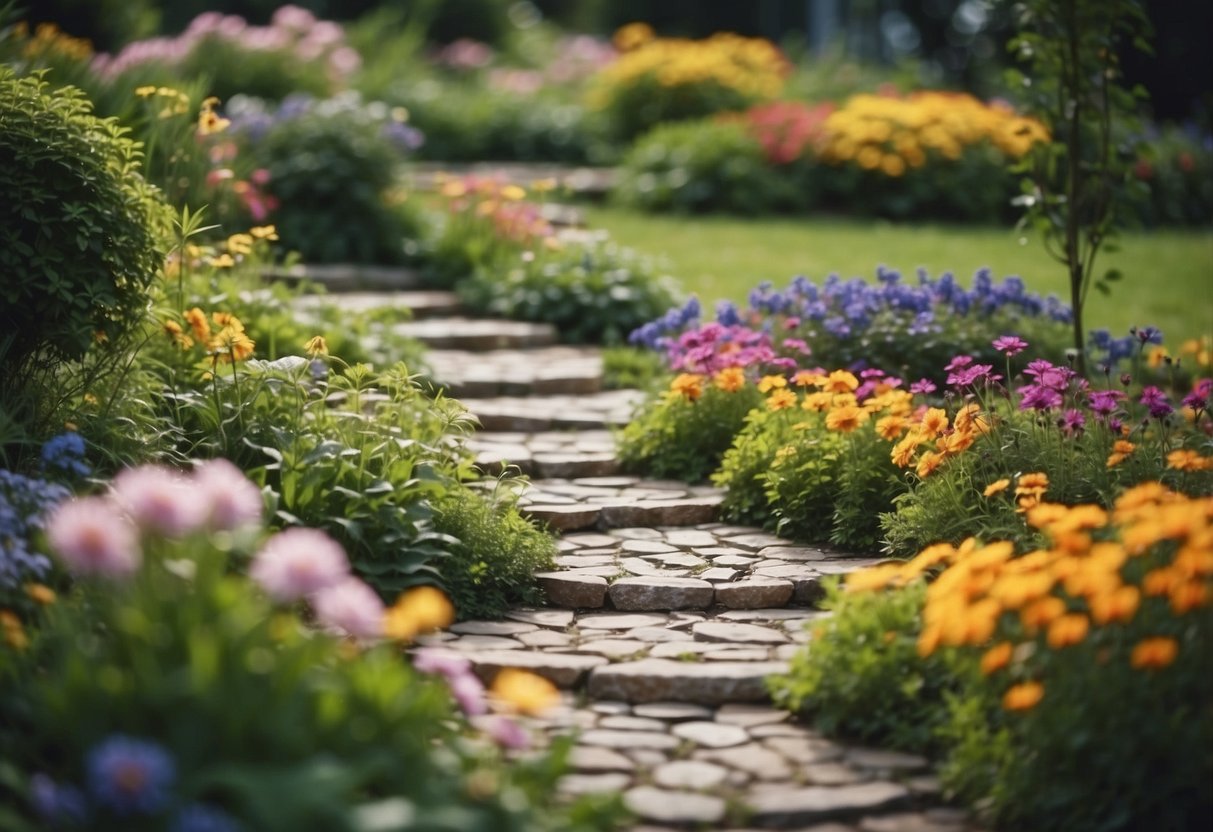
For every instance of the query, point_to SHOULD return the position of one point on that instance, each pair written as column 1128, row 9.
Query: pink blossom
column 232, row 501
column 507, row 733
column 469, row 693
column 158, row 500
column 92, row 537
column 352, row 606
column 298, row 562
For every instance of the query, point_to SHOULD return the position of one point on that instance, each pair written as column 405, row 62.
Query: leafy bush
column 659, row 80
column 910, row 331
column 498, row 552
column 79, row 239
column 1177, row 170
column 1094, row 654
column 593, row 292
column 332, row 168
column 705, row 165
column 171, row 691
column 862, row 677
column 628, row 367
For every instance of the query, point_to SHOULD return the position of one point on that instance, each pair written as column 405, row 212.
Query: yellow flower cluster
column 502, row 204
column 1101, row 568
column 226, row 343
column 891, row 134
column 49, row 41
column 753, row 67
column 931, row 428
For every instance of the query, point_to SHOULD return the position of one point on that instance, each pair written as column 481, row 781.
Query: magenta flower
column 507, row 733
column 959, row 362
column 92, row 537
column 1156, row 400
column 298, row 562
column 971, row 375
column 159, row 500
column 457, row 671
column 232, row 501
column 1010, row 345
column 1198, row 399
column 1037, row 397
column 1073, row 422
column 469, row 693
column 352, row 606
column 1104, row 402
column 923, row 386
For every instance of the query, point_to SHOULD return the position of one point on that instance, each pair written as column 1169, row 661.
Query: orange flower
column 1186, row 459
column 819, row 402
column 840, row 381
column 807, row 378
column 730, row 379
column 196, row 318
column 996, row 658
column 1023, row 697
column 416, row 611
column 1069, row 629
column 1187, row 596
column 175, row 334
column 781, row 400
column 872, row 578
column 955, row 442
column 1042, row 612
column 934, row 422
column 1118, row 605
column 768, row 383
column 891, row 427
column 523, row 692
column 996, row 487
column 1032, row 482
column 688, row 385
column 1154, row 653
column 928, row 463
column 40, row 593
column 231, row 344
column 846, row 419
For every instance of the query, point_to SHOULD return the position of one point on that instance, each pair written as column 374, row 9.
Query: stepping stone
column 711, row 734
column 676, row 807
column 613, row 648
column 483, row 643
column 672, row 711
column 580, row 784
column 558, row 619
column 565, row 670
column 752, row 541
column 910, row 822
column 611, row 708
column 653, row 740
column 657, row 635
column 662, row 680
column 813, row 804
column 581, row 591
column 540, row 371
column 562, row 517
column 623, row 722
column 717, row 575
column 661, row 594
column 748, row 716
column 575, row 464
column 643, row 568
column 682, row 512
column 647, row 547
column 737, row 654
column 595, row 758
column 795, row 615
column 419, row 304
column 683, row 649
column 583, row 561
column 832, row 774
column 592, row 540
column 545, row 638
column 738, row 633
column 690, row 538
column 478, row 334
column 619, row 621
column 880, row 759
column 690, row 774
column 347, row 277
column 595, row 411
column 799, row 554
column 753, row 759
column 801, row 749
column 680, row 560
column 755, row 593
column 491, row 628
column 806, row 581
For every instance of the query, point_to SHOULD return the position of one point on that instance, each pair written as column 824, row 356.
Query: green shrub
column 79, row 237
column 491, row 567
column 333, row 169
column 861, row 676
column 1175, row 172
column 596, row 292
column 629, row 367
column 684, row 434
column 705, row 165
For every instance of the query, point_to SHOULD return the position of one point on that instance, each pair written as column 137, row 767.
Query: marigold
column 1187, row 596
column 872, row 578
column 996, row 487
column 903, row 451
column 1032, row 482
column 1118, row 605
column 996, row 658
column 1023, row 697
column 231, row 344
column 891, row 427
column 781, row 400
column 175, row 334
column 846, row 419
column 819, row 402
column 316, row 345
column 196, row 318
column 929, row 463
column 524, row 692
column 417, row 611
column 808, row 378
column 688, row 385
column 1067, row 630
column 1154, row 653
column 768, row 383
column 730, row 379
column 1185, row 459
column 934, row 422
column 1042, row 612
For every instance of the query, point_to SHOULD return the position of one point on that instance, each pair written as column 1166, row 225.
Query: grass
column 1168, row 275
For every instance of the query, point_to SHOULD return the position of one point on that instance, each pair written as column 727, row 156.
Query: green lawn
column 1168, row 275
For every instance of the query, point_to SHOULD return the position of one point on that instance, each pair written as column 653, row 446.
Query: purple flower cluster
column 1048, row 388
column 1108, row 352
column 963, row 373
column 252, row 119
column 712, row 347
column 24, row 505
column 293, row 30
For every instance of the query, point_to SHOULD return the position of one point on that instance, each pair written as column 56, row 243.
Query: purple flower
column 130, row 776
column 1072, row 422
column 199, row 817
column 298, row 562
column 457, row 671
column 1037, row 397
column 231, row 498
column 352, row 606
column 507, row 733
column 969, row 376
column 1198, row 399
column 923, row 386
column 959, row 362
column 1104, row 402
column 57, row 804
column 92, row 538
column 1146, row 334
column 1156, row 400
column 1010, row 345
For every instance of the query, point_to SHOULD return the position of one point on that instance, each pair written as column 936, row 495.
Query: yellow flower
column 1042, row 612
column 1186, row 596
column 1067, row 630
column 40, row 594
column 818, row 402
column 223, row 261
column 1154, row 653
column 891, row 427
column 996, row 487
column 175, row 334
column 145, row 91
column 688, row 385
column 807, row 378
column 1023, row 697
column 513, row 193
column 264, row 232
column 928, row 463
column 14, row 631
column 730, row 379
column 768, row 383
column 846, row 419
column 840, row 381
column 934, row 422
column 417, row 611
column 316, row 345
column 1185, row 459
column 231, row 344
column 996, row 658
column 1118, row 605
column 238, row 244
column 781, row 400
column 524, row 692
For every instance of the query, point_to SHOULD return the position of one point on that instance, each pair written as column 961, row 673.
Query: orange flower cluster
column 1101, row 569
column 227, row 343
column 945, row 439
column 502, row 205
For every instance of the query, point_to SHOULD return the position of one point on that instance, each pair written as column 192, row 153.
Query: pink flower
column 159, row 500
column 507, row 733
column 232, row 501
column 352, row 606
column 298, row 562
column 92, row 537
column 469, row 693
column 1010, row 345
column 457, row 670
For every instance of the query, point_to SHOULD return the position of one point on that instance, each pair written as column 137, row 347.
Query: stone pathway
column 662, row 623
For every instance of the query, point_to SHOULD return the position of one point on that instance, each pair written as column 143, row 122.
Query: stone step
column 478, row 334
column 617, row 502
column 594, row 411
column 510, row 372
column 417, row 304
column 348, row 277
column 549, row 454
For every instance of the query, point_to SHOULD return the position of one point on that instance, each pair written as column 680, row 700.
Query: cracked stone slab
column 645, row 593
column 594, row 411
column 573, row 591
column 479, row 334
column 513, row 372
column 658, row 680
column 737, row 633
column 677, row 807
column 813, row 804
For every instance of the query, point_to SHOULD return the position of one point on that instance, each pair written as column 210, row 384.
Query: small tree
column 1075, row 183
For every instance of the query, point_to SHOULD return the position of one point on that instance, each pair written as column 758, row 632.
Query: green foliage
column 491, row 567
column 861, row 676
column 1176, row 171
column 79, row 238
column 706, row 165
column 1075, row 185
column 595, row 292
column 679, row 438
column 283, row 727
column 333, row 170
column 629, row 367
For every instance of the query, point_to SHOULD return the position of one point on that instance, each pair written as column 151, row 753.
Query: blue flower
column 24, row 502
column 66, row 453
column 56, row 804
column 198, row 817
column 130, row 776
